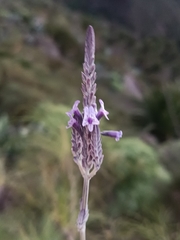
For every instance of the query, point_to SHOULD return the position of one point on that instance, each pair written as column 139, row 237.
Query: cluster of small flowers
column 86, row 135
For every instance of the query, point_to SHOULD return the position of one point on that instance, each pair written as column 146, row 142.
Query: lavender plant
column 86, row 135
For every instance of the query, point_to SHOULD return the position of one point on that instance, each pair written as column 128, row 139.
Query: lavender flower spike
column 86, row 135
column 114, row 134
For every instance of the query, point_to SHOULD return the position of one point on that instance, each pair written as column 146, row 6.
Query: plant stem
column 84, row 212
column 83, row 235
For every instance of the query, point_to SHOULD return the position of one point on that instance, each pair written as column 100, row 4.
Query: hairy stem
column 83, row 234
column 84, row 212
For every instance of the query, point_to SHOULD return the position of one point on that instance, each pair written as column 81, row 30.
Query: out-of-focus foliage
column 155, row 17
column 160, row 111
column 169, row 154
column 136, row 173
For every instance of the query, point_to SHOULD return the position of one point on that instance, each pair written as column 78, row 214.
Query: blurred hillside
column 138, row 76
column 144, row 18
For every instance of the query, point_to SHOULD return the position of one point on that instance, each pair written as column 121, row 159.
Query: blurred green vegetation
column 136, row 193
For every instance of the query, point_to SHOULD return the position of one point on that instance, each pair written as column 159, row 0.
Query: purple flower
column 71, row 122
column 75, row 112
column 75, row 116
column 89, row 118
column 102, row 112
column 114, row 134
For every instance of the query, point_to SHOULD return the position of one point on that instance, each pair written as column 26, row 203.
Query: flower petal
column 89, row 118
column 102, row 111
column 71, row 122
column 114, row 134
column 75, row 107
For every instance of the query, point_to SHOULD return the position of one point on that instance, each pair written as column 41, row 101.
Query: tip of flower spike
column 89, row 46
column 90, row 30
